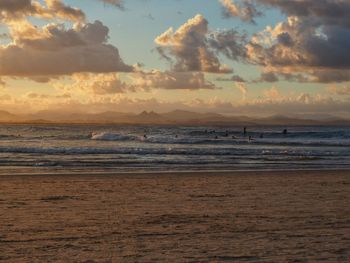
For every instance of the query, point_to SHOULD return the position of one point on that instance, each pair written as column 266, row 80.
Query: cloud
column 320, row 52
column 100, row 84
column 234, row 78
column 171, row 80
column 59, row 9
column 33, row 95
column 311, row 45
column 230, row 43
column 54, row 50
column 274, row 101
column 341, row 91
column 107, row 84
column 242, row 87
column 19, row 9
column 247, row 11
column 117, row 3
column 268, row 77
column 188, row 49
column 273, row 94
column 270, row 102
column 334, row 12
column 330, row 11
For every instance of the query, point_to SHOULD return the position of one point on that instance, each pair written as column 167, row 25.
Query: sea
column 126, row 148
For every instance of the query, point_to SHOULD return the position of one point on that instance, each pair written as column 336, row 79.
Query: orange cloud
column 54, row 50
column 189, row 47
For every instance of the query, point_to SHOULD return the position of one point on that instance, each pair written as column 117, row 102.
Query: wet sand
column 188, row 217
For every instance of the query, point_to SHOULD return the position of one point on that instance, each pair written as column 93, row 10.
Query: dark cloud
column 268, row 77
column 117, row 3
column 313, row 42
column 303, row 48
column 17, row 9
column 14, row 6
column 329, row 11
column 246, row 11
column 230, row 43
column 234, row 78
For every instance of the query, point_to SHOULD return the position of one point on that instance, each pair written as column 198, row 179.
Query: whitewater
column 172, row 148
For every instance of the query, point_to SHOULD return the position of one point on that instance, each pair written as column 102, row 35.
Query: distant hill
column 179, row 117
column 8, row 117
column 149, row 117
column 104, row 117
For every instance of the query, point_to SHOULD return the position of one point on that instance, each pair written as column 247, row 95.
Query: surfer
column 285, row 131
column 245, row 131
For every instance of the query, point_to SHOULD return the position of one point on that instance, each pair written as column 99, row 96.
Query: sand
column 188, row 217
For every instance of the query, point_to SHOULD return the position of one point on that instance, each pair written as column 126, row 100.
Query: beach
column 280, row 216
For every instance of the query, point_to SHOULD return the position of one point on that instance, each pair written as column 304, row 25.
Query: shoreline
column 171, row 173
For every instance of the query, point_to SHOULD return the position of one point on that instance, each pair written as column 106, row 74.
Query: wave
column 110, row 136
column 45, row 128
column 342, row 134
column 305, row 143
column 205, row 151
column 6, row 136
column 213, row 140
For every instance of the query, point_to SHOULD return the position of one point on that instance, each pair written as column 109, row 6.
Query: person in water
column 245, row 130
column 261, row 135
column 285, row 131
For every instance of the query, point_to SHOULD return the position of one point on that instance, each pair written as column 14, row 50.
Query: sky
column 235, row 57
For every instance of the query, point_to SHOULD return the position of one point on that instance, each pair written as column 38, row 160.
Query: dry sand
column 189, row 217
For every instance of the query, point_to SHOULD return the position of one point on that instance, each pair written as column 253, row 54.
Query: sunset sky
column 233, row 57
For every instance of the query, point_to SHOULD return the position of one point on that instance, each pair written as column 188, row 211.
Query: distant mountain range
column 173, row 117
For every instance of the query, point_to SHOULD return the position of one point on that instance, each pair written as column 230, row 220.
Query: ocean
column 117, row 148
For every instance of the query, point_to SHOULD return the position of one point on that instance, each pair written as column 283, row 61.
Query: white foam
column 110, row 136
